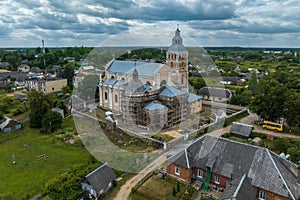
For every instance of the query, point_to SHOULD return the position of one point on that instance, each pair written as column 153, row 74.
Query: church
column 152, row 95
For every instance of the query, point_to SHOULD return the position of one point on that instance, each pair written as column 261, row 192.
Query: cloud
column 240, row 22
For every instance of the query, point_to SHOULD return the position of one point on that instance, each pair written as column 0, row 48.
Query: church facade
column 149, row 94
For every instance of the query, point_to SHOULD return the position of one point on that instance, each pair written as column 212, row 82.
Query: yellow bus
column 272, row 126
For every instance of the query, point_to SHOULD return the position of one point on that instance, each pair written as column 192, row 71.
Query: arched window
column 123, row 79
column 112, row 77
column 171, row 64
column 105, row 96
column 163, row 83
column 116, row 98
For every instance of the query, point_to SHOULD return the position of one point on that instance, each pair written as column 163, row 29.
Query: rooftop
column 232, row 159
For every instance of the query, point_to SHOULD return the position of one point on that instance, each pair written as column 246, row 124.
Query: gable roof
column 241, row 129
column 101, row 177
column 233, row 159
column 239, row 189
column 126, row 67
column 215, row 92
column 171, row 92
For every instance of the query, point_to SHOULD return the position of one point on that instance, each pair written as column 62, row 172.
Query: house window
column 116, row 98
column 177, row 170
column 200, row 173
column 53, row 89
column 261, row 195
column 105, row 96
column 217, row 179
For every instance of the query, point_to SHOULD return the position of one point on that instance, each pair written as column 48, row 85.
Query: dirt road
column 126, row 188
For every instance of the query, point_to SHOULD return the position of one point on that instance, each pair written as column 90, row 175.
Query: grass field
column 27, row 177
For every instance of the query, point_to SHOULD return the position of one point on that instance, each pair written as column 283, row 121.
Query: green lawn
column 160, row 189
column 28, row 176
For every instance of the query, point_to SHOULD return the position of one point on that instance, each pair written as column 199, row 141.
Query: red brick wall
column 185, row 174
column 223, row 179
column 271, row 195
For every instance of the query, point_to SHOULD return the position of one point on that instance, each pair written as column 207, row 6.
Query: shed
column 8, row 125
column 241, row 130
column 99, row 181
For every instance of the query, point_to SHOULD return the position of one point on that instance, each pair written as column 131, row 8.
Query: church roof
column 193, row 97
column 155, row 106
column 127, row 67
column 171, row 92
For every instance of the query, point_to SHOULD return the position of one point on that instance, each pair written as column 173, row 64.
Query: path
column 125, row 190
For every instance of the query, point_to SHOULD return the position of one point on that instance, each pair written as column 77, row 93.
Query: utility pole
column 43, row 43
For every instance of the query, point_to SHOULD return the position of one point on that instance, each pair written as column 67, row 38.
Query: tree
column 87, row 88
column 68, row 73
column 295, row 153
column 197, row 82
column 39, row 104
column 51, row 122
column 241, row 97
column 293, row 110
column 270, row 101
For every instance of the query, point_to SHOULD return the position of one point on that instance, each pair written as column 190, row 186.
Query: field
column 38, row 158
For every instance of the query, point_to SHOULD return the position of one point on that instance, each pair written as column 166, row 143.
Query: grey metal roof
column 154, row 105
column 239, row 189
column 101, row 177
column 121, row 82
column 215, row 92
column 127, row 67
column 241, row 129
column 265, row 169
column 110, row 81
column 171, row 92
column 193, row 97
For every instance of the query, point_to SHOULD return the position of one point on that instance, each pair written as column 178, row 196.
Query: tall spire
column 135, row 74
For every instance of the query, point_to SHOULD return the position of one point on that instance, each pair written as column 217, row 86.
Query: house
column 46, row 85
column 23, row 68
column 35, row 70
column 239, row 189
column 4, row 65
column 227, row 80
column 222, row 164
column 8, row 125
column 56, row 69
column 241, row 130
column 99, row 181
column 215, row 94
column 69, row 59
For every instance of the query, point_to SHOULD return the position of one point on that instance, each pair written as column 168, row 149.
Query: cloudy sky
column 264, row 23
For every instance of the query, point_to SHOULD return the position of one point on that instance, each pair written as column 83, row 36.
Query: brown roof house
column 8, row 125
column 99, row 181
column 238, row 170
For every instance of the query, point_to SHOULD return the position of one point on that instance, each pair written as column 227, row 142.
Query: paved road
column 253, row 117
